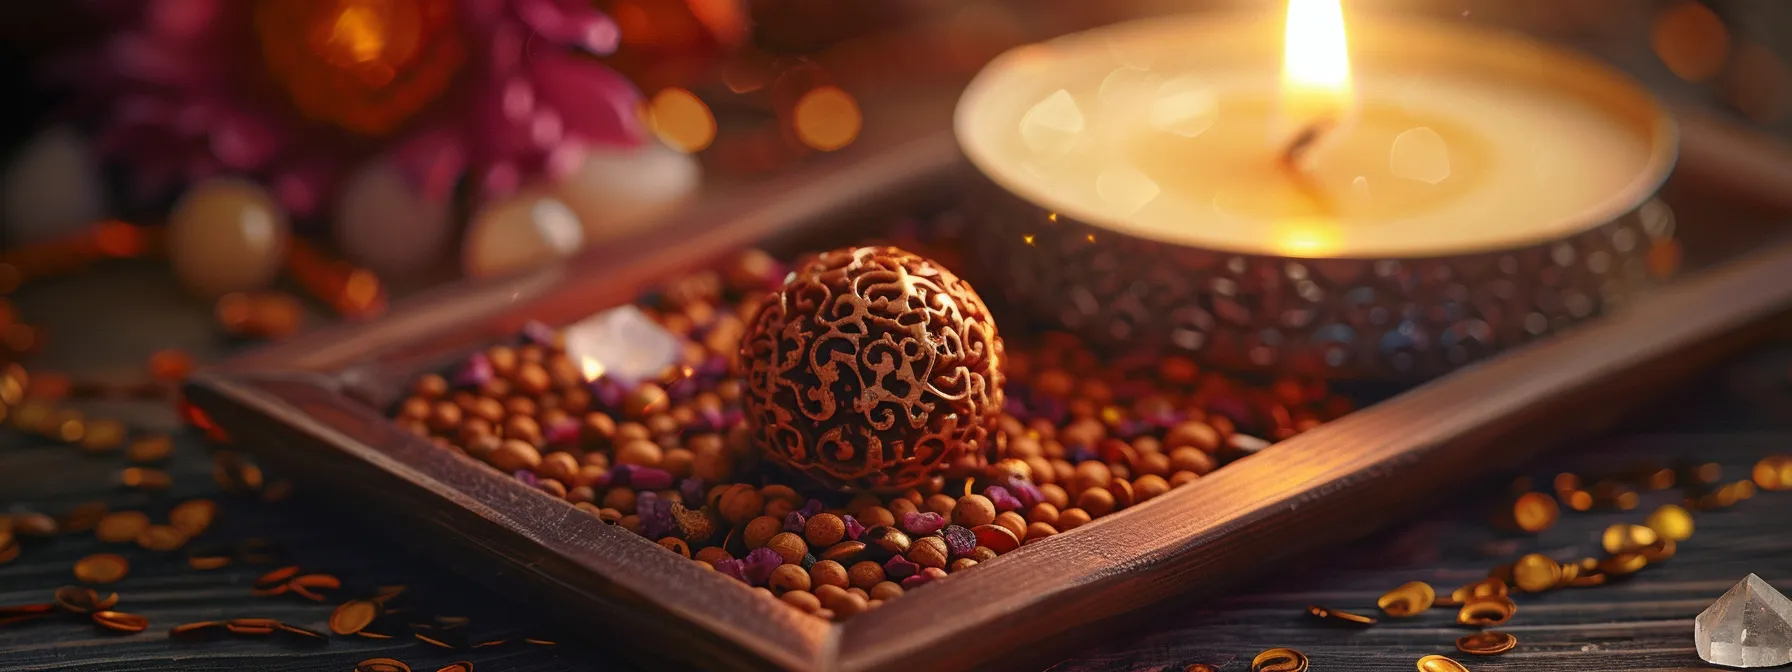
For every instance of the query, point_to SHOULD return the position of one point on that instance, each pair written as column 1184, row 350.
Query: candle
column 1432, row 139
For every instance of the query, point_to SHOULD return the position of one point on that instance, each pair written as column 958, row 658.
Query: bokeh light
column 681, row 120
column 827, row 118
column 1691, row 40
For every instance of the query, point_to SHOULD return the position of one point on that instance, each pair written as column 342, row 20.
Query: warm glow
column 681, row 120
column 359, row 34
column 827, row 118
column 592, row 368
column 1315, row 61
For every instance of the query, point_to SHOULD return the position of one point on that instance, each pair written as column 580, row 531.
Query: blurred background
column 233, row 171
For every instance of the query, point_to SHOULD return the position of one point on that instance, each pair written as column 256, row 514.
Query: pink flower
column 292, row 91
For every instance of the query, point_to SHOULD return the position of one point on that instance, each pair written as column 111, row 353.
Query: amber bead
column 678, row 461
column 898, row 507
column 639, row 453
column 787, row 578
column 1097, row 502
column 1193, row 434
column 982, row 554
column 1152, row 464
column 872, row 516
column 961, row 564
column 1043, row 512
column 783, row 493
column 1055, row 495
column 939, row 503
column 620, row 499
column 824, row 529
column 843, row 552
column 1149, row 486
column 1040, row 531
column 676, row 545
column 1191, row 460
column 929, row 552
column 515, row 455
column 561, row 467
column 886, row 540
column 865, row 574
column 788, row 546
column 802, row 599
column 741, row 503
column 1014, row 522
column 973, row 510
column 761, row 530
column 1070, row 519
column 828, row 574
column 847, row 604
column 713, row 554
column 886, row 590
column 1182, row 478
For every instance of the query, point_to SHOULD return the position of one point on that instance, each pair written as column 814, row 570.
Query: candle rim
column 1662, row 136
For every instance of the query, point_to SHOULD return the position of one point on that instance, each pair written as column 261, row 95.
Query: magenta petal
column 302, row 188
column 143, row 59
column 569, row 23
column 180, row 19
column 432, row 161
column 596, row 104
column 242, row 142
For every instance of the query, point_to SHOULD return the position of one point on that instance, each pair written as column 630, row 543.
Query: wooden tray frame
column 310, row 408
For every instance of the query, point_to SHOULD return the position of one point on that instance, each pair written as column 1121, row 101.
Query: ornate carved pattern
column 874, row 368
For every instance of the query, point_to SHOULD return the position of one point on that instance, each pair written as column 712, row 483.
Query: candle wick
column 1294, row 154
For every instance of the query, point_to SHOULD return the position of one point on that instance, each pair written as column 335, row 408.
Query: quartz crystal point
column 1750, row 626
column 622, row 343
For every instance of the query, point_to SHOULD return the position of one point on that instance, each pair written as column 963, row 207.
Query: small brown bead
column 1149, row 486
column 1040, row 531
column 630, row 431
column 1064, row 472
column 676, row 545
column 973, row 510
column 824, row 529
column 1042, row 470
column 482, row 447
column 582, row 494
column 430, row 386
column 1070, row 519
column 961, row 564
column 844, row 552
column 887, row 540
column 1086, row 432
column 787, row 578
column 561, row 467
column 802, row 599
column 741, row 503
column 1192, row 460
column 664, row 425
column 898, row 507
column 1121, row 489
column 761, row 530
column 778, row 508
column 847, row 605
column 522, row 428
column 1043, row 512
column 1152, row 464
column 533, row 379
column 498, row 388
column 982, row 554
column 865, row 574
column 912, row 495
column 503, row 359
column 552, row 487
column 1014, row 522
column 610, row 516
column 929, row 552
column 521, row 406
column 1097, row 502
column 414, row 408
column 828, row 574
column 781, row 493
column 514, row 455
column 940, row 503
column 872, row 516
column 646, row 400
column 639, row 453
column 678, row 461
column 855, row 590
column 631, row 523
column 886, row 590
column 590, row 473
column 597, row 429
column 1182, row 478
column 1193, row 434
column 620, row 499
column 1091, row 474
column 472, row 428
column 1055, row 495
column 711, row 555
column 444, row 416
column 788, row 546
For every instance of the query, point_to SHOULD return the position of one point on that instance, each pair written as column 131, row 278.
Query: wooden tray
column 311, row 408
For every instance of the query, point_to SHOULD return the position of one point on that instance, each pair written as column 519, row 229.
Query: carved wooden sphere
column 873, row 369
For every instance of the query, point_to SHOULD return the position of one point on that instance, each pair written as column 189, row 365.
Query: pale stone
column 51, row 188
column 616, row 192
column 623, row 344
column 384, row 224
column 525, row 231
column 1750, row 626
column 226, row 235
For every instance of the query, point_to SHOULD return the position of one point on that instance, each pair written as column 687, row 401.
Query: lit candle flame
column 1316, row 85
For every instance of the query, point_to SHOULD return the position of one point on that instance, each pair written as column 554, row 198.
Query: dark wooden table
column 1738, row 415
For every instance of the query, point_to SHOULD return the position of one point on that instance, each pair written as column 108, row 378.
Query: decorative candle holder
column 1336, row 318
column 1119, row 243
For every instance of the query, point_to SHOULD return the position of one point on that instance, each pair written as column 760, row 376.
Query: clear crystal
column 623, row 344
column 1750, row 626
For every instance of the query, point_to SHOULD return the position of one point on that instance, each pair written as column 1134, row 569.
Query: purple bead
column 713, row 366
column 813, row 507
column 854, row 528
column 1028, row 494
column 538, row 333
column 623, row 475
column 1000, row 496
column 656, row 514
column 1012, row 405
column 960, row 540
column 562, row 432
column 1081, row 454
column 526, row 477
column 732, row 417
column 916, row 581
column 795, row 521
column 897, row 567
column 759, row 566
column 711, row 419
column 918, row 523
column 607, row 393
column 648, row 478
column 476, row 371
column 734, row 568
column 691, row 489
column 682, row 389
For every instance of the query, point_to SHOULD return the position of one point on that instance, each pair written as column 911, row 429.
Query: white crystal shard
column 622, row 343
column 1750, row 626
